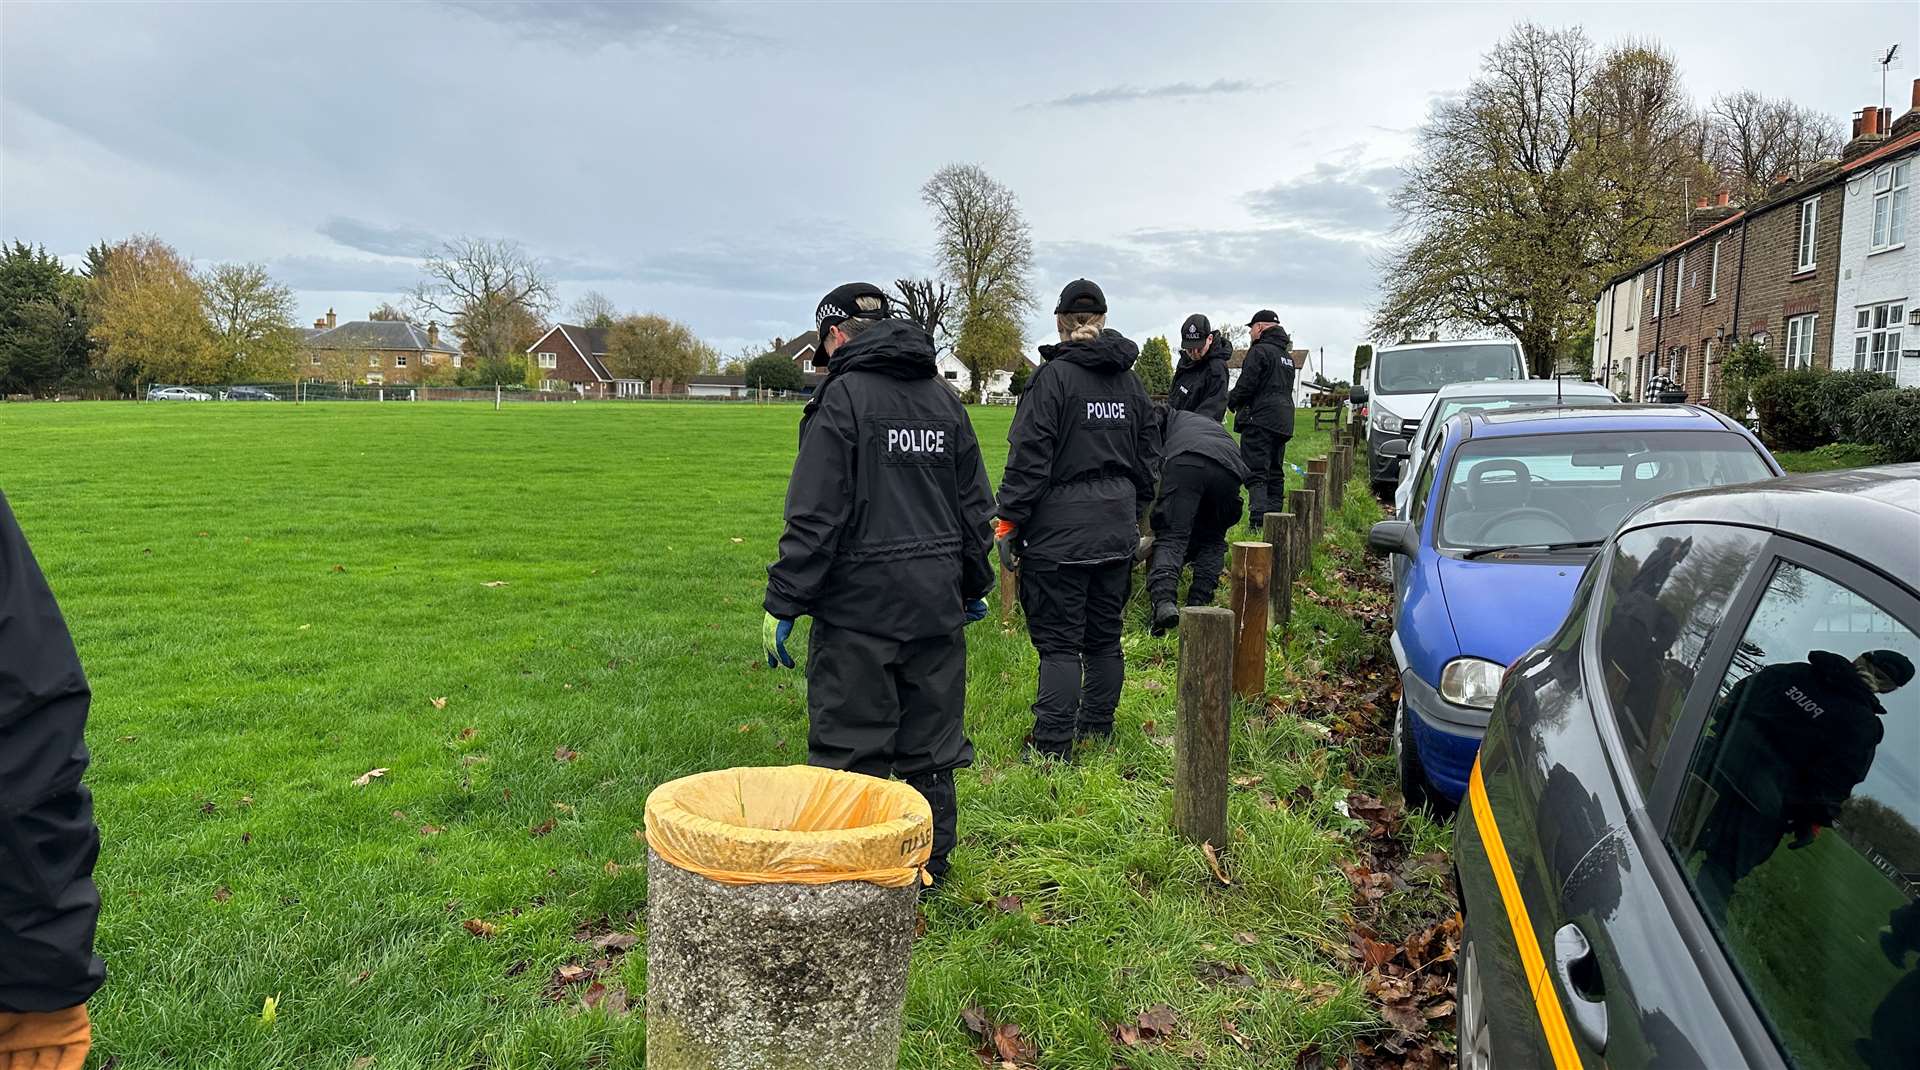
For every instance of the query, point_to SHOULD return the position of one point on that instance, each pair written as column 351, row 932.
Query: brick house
column 804, row 351
column 375, row 351
column 1769, row 272
column 570, row 357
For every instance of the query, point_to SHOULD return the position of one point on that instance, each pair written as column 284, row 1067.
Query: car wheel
column 1406, row 760
column 1475, row 1036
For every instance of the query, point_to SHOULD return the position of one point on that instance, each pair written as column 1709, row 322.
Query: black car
column 1692, row 838
column 250, row 393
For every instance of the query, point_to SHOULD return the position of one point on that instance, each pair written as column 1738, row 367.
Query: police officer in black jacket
column 1079, row 476
column 48, row 843
column 1200, row 379
column 1262, row 402
column 1201, row 474
column 888, row 526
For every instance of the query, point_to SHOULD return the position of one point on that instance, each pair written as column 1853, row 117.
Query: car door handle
column 1578, row 970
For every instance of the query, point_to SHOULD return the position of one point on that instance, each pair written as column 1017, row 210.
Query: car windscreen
column 1425, row 370
column 1541, row 490
column 1445, row 408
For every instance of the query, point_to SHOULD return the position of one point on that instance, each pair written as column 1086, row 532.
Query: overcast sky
column 728, row 164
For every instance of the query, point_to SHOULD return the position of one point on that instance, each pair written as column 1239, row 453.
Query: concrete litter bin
column 781, row 909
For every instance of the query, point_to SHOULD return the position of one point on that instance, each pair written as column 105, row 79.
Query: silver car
column 176, row 393
column 1458, row 397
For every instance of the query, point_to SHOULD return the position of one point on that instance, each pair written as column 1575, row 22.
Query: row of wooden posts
column 1223, row 652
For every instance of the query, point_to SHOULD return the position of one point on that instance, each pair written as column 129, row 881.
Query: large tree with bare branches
column 1751, row 140
column 491, row 291
column 1559, row 166
column 927, row 303
column 985, row 251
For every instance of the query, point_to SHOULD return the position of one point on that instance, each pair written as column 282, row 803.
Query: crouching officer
column 1201, row 475
column 1079, row 476
column 1200, row 379
column 888, row 524
column 48, row 843
column 1262, row 402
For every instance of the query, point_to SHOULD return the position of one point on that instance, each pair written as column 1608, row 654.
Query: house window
column 1876, row 341
column 1890, row 206
column 1809, row 227
column 373, row 360
column 549, row 360
column 1659, row 288
column 1800, row 340
column 549, row 385
column 1707, row 373
column 1713, row 272
column 316, row 360
column 399, row 360
column 1633, row 306
column 1679, row 280
column 456, row 360
column 1677, row 366
column 953, row 375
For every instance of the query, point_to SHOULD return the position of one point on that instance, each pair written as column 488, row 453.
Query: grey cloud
column 1274, row 266
column 1347, row 200
column 344, row 273
column 400, row 240
column 1121, row 94
column 593, row 23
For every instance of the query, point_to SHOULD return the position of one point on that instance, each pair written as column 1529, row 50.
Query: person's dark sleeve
column 49, row 906
column 1213, row 402
column 1146, row 454
column 976, row 515
column 1252, row 373
column 819, row 501
column 1030, row 445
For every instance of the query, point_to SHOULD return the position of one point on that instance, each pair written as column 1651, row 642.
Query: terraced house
column 1816, row 270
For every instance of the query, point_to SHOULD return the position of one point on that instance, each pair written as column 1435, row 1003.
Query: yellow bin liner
column 794, row 824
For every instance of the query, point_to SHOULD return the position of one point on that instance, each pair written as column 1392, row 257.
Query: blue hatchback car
column 1507, row 511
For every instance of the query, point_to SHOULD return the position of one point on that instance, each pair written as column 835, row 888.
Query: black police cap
column 844, row 304
column 1081, row 296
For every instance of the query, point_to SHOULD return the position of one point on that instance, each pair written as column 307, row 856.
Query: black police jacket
column 889, row 512
column 1191, row 432
column 48, row 842
column 1802, row 734
column 1263, row 396
column 1201, row 385
column 1081, row 456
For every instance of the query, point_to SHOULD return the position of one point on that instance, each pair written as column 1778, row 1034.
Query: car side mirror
column 1398, row 448
column 1392, row 537
column 1358, row 396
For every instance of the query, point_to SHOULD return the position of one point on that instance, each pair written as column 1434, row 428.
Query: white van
column 1402, row 381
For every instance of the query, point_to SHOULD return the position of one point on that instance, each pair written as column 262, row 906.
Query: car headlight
column 1385, row 422
column 1471, row 682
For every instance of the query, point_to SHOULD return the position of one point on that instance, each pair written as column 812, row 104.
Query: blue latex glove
column 773, row 638
column 976, row 610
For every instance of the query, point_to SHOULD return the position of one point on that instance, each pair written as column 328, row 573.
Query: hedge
column 1889, row 419
column 1836, row 394
column 1788, row 406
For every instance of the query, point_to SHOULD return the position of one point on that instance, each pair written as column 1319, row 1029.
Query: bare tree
column 391, row 312
column 985, row 250
column 490, row 290
column 926, row 303
column 1751, row 140
column 593, row 309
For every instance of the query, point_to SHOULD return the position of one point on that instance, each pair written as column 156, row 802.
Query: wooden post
column 1317, row 486
column 1201, row 738
column 1303, row 526
column 1277, row 529
column 1252, row 571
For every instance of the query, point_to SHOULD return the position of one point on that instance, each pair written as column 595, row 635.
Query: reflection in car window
column 1798, row 825
column 1667, row 591
column 1538, row 489
column 1423, row 371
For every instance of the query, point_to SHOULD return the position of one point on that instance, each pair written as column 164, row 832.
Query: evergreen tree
column 1155, row 367
column 43, row 331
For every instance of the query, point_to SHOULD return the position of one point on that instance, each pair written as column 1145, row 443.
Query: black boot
column 945, row 802
column 1166, row 617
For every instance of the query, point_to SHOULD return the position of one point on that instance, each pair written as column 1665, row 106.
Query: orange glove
column 1002, row 528
column 54, row 1041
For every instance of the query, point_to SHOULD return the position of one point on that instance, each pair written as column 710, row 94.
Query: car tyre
column 1475, row 1036
column 1406, row 761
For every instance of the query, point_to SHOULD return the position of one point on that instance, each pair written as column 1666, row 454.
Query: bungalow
column 374, row 351
column 735, row 386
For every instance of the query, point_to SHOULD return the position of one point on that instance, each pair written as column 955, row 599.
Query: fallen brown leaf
column 468, row 732
column 975, row 1021
column 1127, row 1035
column 1011, row 1046
column 1158, row 1021
column 541, row 829
column 431, row 830
column 1245, row 939
column 570, row 974
column 222, row 894
column 368, row 777
column 482, row 929
column 616, row 942
column 1008, row 904
column 1213, row 863
column 439, row 703
column 564, row 754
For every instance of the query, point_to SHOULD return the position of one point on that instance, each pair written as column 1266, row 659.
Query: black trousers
column 1266, row 455
column 1199, row 503
column 882, row 706
column 1073, row 617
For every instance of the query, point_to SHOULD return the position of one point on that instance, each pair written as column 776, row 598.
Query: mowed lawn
column 272, row 600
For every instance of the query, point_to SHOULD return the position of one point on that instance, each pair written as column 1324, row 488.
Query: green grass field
column 270, row 600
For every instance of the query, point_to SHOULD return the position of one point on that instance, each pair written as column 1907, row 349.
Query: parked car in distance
column 176, row 393
column 1401, row 381
column 249, row 393
column 1506, row 514
column 1484, row 396
column 1690, row 838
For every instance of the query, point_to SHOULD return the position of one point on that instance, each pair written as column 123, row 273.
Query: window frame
column 1638, row 293
column 1659, row 288
column 1881, row 336
column 1679, row 280
column 399, row 360
column 1894, row 196
column 1713, row 271
column 549, row 360
column 1807, row 237
column 1805, row 336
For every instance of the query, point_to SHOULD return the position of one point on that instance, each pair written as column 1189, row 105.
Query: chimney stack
column 319, row 325
column 1725, row 199
column 433, row 332
column 1916, row 95
column 331, row 321
column 1702, row 203
column 1869, row 122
